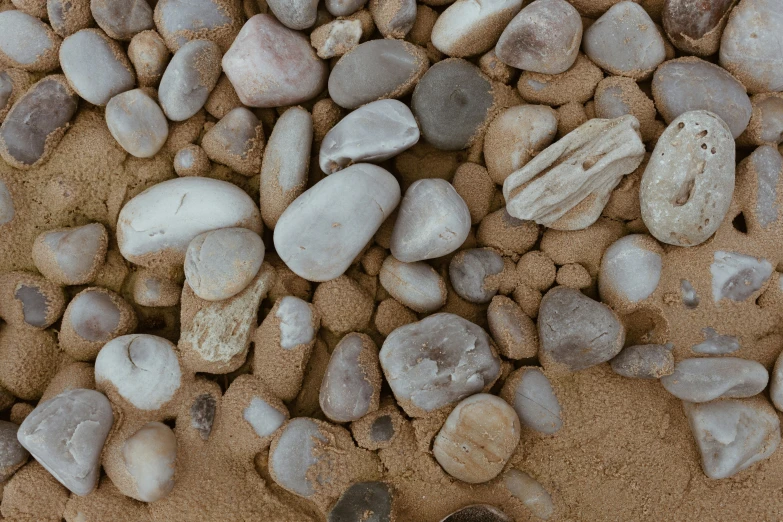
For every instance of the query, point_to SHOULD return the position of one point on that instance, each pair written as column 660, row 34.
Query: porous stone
column 189, row 78
column 191, row 160
column 688, row 183
column 294, row 14
column 416, row 285
column 27, row 43
column 462, row 446
column 475, row 274
column 737, row 276
column 270, row 65
column 66, row 435
column 544, row 38
column 468, row 27
column 630, row 270
column 531, row 395
column 137, row 123
column 514, row 332
column 715, row 343
column 149, row 456
column 696, row 27
column 437, row 362
column 150, row 56
column 647, row 361
column 318, row 238
column 71, row 256
column 336, row 38
column 567, row 186
column 364, row 502
column 708, row 378
column 732, row 435
column 433, row 221
column 351, row 386
column 530, row 492
column 12, row 453
column 122, row 19
column 576, row 332
column 68, row 16
column 372, row 133
column 180, row 21
column 393, row 19
column 237, row 141
column 96, row 66
column 344, row 7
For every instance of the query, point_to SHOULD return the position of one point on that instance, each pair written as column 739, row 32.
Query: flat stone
column 149, row 456
column 437, row 362
column 12, row 454
column 737, row 276
column 137, row 123
column 363, row 502
column 295, row 14
column 149, row 55
column 180, row 21
column 66, row 435
column 189, row 78
column 27, row 43
column 237, row 141
column 696, row 27
column 344, row 7
column 71, row 256
column 475, row 274
column 270, row 65
column 351, row 386
column 630, row 270
column 707, row 378
column 416, row 285
column 647, row 361
column 531, row 395
column 530, row 492
column 715, row 343
column 468, row 28
column 122, row 19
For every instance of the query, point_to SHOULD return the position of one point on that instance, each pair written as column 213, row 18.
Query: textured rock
column 372, row 133
column 528, row 491
column 237, row 141
column 513, row 331
column 149, row 456
column 544, row 37
column 158, row 225
column 576, row 332
column 737, row 276
column 27, row 43
column 150, row 56
column 12, row 453
column 733, row 435
column 351, row 386
column 323, row 230
column 336, row 38
column 470, row 27
column 708, row 378
column 696, row 27
column 531, row 395
column 180, row 21
column 416, row 285
column 433, row 221
column 66, row 435
column 189, row 78
column 344, row 7
column 71, row 256
column 462, row 446
column 393, row 19
column 122, row 19
column 270, row 65
column 437, row 362
column 630, row 270
column 294, row 14
column 688, row 184
column 68, row 16
column 648, row 361
column 475, row 274
column 137, row 123
column 363, row 502
column 568, row 184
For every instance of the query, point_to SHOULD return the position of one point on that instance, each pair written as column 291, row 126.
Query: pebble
column 475, row 274
column 285, row 164
column 647, row 361
column 189, row 78
column 433, row 221
column 27, row 43
column 750, row 45
column 567, row 186
column 468, row 28
column 617, row 96
column 625, row 42
column 630, row 270
column 696, row 27
column 149, row 456
column 462, row 446
column 143, row 369
column 732, row 435
column 688, row 183
column 137, row 123
column 437, row 362
column 372, row 133
column 691, row 84
column 376, row 70
column 149, row 55
column 453, row 103
column 336, row 38
column 122, row 19
column 30, row 300
column 292, row 455
column 577, row 84
column 737, row 276
column 776, row 383
column 393, row 19
column 531, row 395
column 478, row 513
column 716, row 344
column 416, row 285
column 96, row 66
column 265, row 418
column 344, row 7
column 344, row 305
column 544, row 38
column 514, row 332
column 515, row 136
column 71, row 256
column 577, row 332
column 157, row 226
column 221, row 263
column 270, row 65
column 236, row 141
column 324, row 230
column 12, row 454
column 766, row 122
column 180, row 21
column 707, row 378
column 66, row 435
column 294, row 14
column 364, row 502
column 530, row 492
column 351, row 386
column 191, row 160
column 37, row 122
column 68, row 16
column 148, row 289
column 93, row 317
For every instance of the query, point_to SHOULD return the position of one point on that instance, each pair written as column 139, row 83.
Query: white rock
column 707, row 378
column 159, row 224
column 137, row 123
column 530, row 393
column 323, row 230
column 26, row 42
column 296, row 322
column 189, row 78
column 94, row 315
column 7, row 210
column 737, row 276
column 143, row 369
column 630, row 269
column 470, row 27
column 263, row 417
column 416, row 285
column 293, row 455
column 372, row 133
column 336, row 38
column 532, row 494
column 150, row 455
column 71, row 256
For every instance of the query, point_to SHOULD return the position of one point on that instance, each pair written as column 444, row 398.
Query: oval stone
column 416, row 285
column 694, row 26
column 189, row 78
column 149, row 55
column 122, row 19
column 530, row 393
column 630, row 270
column 351, row 386
column 467, row 27
column 137, row 123
column 344, row 7
column 528, row 491
column 149, row 456
column 709, row 378
column 27, row 43
column 393, row 19
column 180, row 21
column 323, row 230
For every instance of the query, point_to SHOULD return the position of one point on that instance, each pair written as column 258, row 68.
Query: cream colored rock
column 149, row 456
column 567, row 185
column 529, row 492
column 470, row 27
column 416, row 285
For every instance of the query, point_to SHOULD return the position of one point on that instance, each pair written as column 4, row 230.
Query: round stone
column 530, row 393
column 630, row 270
column 351, row 386
column 27, row 43
column 468, row 28
column 122, row 19
column 189, row 78
column 149, row 456
column 191, row 160
column 149, row 55
column 475, row 274
column 94, row 316
column 416, row 285
column 137, row 123
column 708, row 378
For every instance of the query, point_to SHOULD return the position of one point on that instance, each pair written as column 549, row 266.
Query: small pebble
column 336, row 38
column 13, row 84
column 223, row 99
column 137, row 123
column 149, row 456
column 66, row 435
column 294, row 14
column 344, row 7
column 27, row 43
column 151, row 290
column 12, row 454
column 630, row 269
column 236, row 141
column 292, row 455
column 737, row 276
column 490, row 64
column 351, row 386
column 265, row 418
column 695, row 27
column 372, row 133
column 363, row 502
column 537, row 270
column 71, row 256
column 468, row 28
column 647, row 361
column 191, row 160
column 462, row 446
column 573, row 275
column 416, row 285
column 180, row 21
column 475, row 274
column 189, row 78
column 150, row 56
column 30, row 300
column 344, row 305
column 531, row 395
column 393, row 19
column 617, row 96
column 93, row 317
column 433, row 221
column 576, row 84
column 716, row 344
column 477, row 512
column 391, row 314
column 122, row 19
column 474, row 185
column 708, row 378
column 766, row 121
column 508, row 235
column 514, row 332
column 68, row 16
column 530, row 492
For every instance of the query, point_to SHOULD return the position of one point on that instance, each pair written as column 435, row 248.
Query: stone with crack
column 530, row 393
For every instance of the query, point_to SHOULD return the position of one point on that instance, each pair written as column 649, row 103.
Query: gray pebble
column 237, row 141
column 647, row 361
column 93, row 315
column 452, row 103
column 189, row 78
column 767, row 165
column 344, row 7
column 363, row 502
column 96, row 66
column 577, row 332
column 12, row 454
column 27, row 43
column 433, row 221
column 71, row 256
column 6, row 91
column 393, row 19
column 690, row 298
column 66, row 435
column 137, row 123
column 180, row 21
column 149, row 55
column 630, row 270
column 475, row 274
column 295, row 14
column 7, row 210
column 531, row 395
column 528, row 491
column 766, row 123
column 437, row 362
column 708, row 378
column 716, row 344
column 351, row 386
column 737, row 276
column 122, row 19
column 68, row 16
column 374, row 70
column 416, row 285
